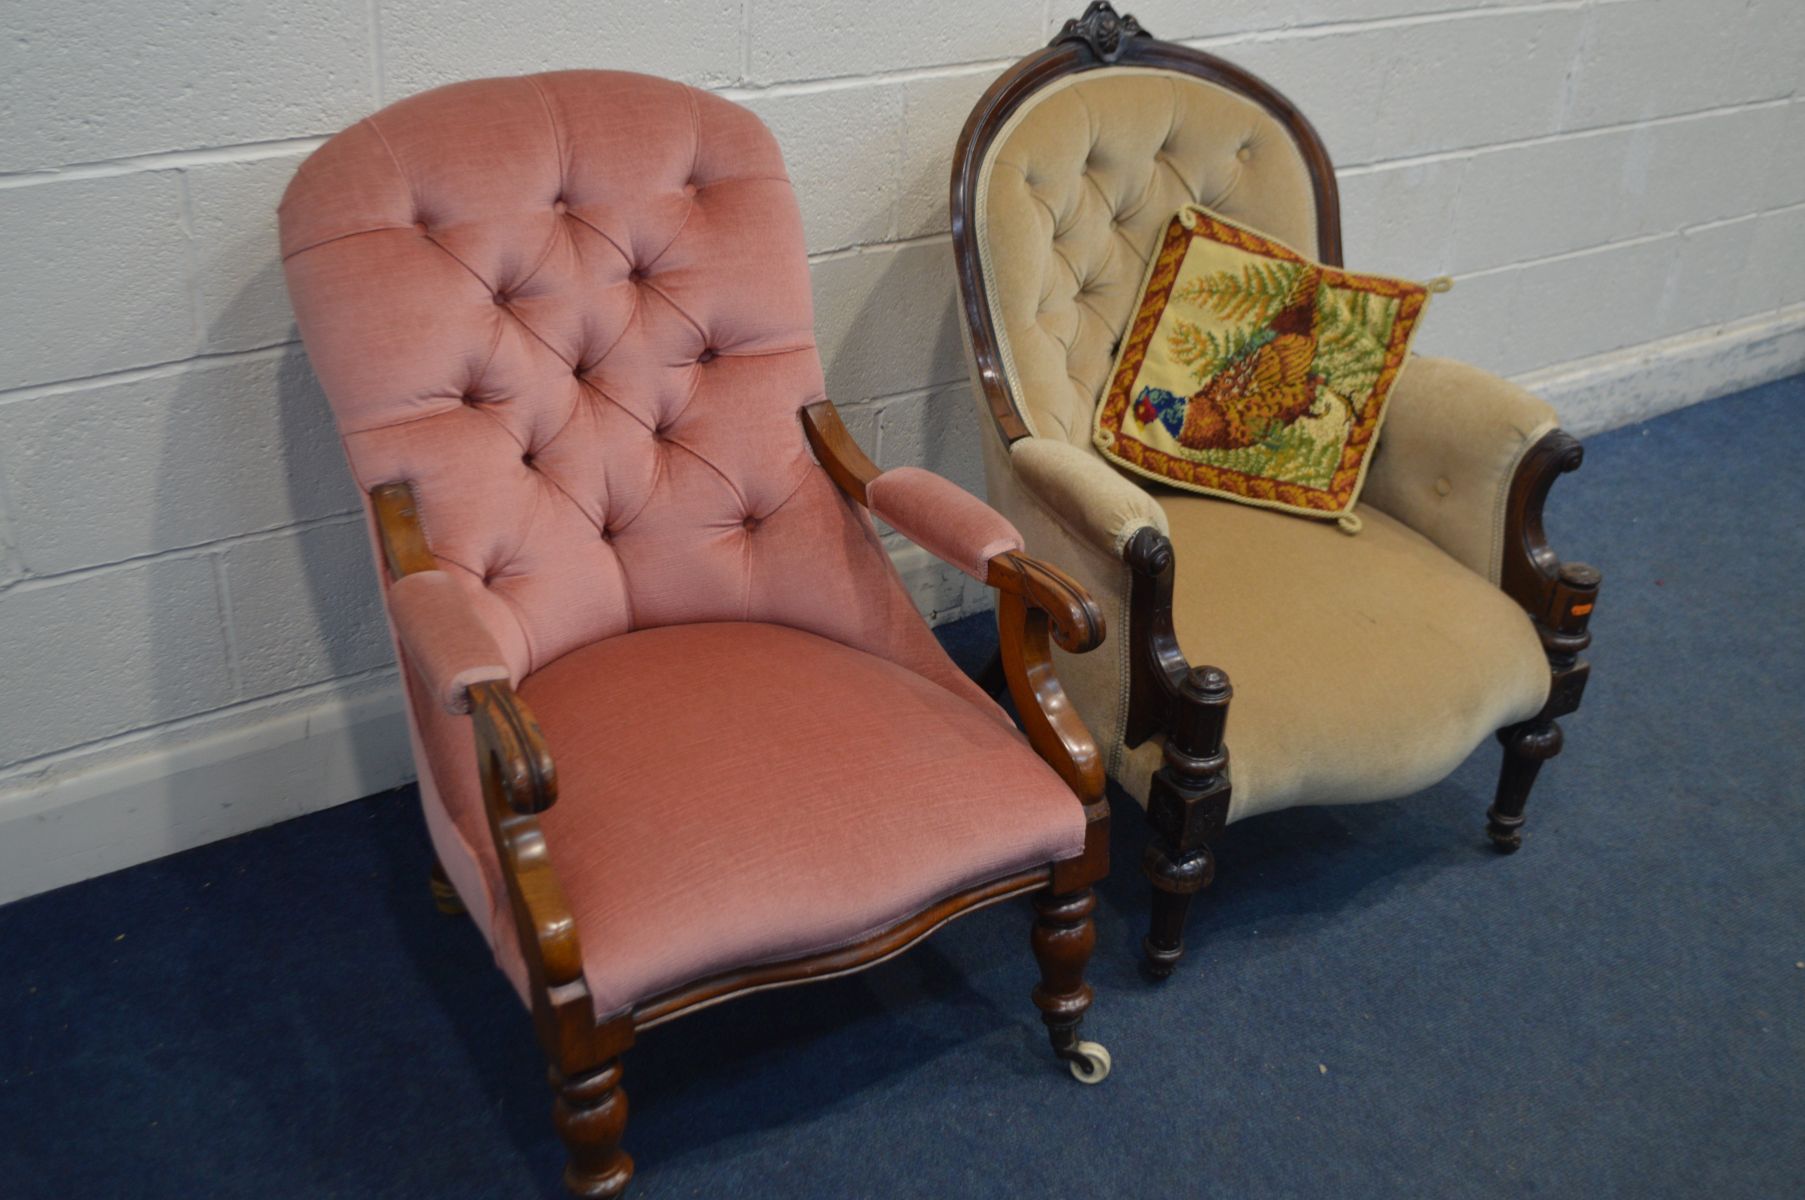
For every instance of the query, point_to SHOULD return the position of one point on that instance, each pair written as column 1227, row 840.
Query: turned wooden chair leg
column 1526, row 747
column 590, row 1114
column 1565, row 633
column 1187, row 806
column 444, row 896
column 1176, row 877
column 1064, row 936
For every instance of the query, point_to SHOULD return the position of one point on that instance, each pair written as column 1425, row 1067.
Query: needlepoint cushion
column 1252, row 373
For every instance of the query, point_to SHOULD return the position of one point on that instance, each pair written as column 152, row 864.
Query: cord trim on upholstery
column 339, row 237
column 551, row 121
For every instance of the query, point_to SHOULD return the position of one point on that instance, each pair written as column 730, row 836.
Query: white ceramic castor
column 1092, row 1064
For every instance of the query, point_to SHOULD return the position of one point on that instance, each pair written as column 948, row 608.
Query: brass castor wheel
column 1089, row 1062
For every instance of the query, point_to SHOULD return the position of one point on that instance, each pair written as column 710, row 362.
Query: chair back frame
column 1099, row 38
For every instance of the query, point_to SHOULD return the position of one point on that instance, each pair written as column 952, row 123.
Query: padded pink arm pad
column 942, row 518
column 446, row 642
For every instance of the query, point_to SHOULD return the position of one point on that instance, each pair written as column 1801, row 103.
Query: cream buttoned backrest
column 1072, row 195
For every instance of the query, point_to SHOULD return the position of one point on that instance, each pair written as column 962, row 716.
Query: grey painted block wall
column 178, row 539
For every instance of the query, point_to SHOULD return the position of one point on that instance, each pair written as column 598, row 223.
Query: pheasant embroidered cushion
column 1251, row 372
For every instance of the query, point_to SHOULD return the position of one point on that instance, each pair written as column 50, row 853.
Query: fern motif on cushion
column 1251, row 372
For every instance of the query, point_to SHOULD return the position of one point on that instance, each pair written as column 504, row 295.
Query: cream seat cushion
column 1365, row 668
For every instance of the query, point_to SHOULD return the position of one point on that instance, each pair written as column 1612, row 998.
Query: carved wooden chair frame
column 1188, row 803
column 1037, row 606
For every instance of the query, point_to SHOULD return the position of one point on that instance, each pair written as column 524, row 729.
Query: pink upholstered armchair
column 564, row 323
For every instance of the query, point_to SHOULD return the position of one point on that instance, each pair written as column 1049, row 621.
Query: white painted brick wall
column 178, row 546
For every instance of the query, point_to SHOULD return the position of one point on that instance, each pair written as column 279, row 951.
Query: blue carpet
column 1376, row 1005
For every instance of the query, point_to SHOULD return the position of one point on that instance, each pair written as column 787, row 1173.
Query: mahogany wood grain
column 837, row 450
column 1156, row 664
column 1063, row 938
column 1189, row 796
column 885, row 944
column 1037, row 605
column 590, row 1115
column 404, row 548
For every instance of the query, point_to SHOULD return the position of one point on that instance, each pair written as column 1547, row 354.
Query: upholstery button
column 419, row 226
column 607, row 534
column 636, row 274
column 558, row 206
column 1245, row 154
column 1443, row 487
column 501, row 298
column 750, row 523
column 526, row 460
column 469, row 398
column 707, row 355
column 689, row 189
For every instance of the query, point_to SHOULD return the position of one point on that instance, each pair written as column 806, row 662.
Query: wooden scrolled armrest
column 1559, row 596
column 506, row 729
column 519, row 782
column 1037, row 604
column 837, row 450
column 404, row 548
column 1078, row 624
column 1157, row 667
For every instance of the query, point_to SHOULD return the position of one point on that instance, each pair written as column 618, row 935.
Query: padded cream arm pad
column 1451, row 442
column 1095, row 501
column 446, row 642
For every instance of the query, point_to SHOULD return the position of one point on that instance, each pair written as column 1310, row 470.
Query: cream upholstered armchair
column 1363, row 667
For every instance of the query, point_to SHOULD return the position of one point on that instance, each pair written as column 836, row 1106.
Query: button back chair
column 565, row 328
column 1365, row 667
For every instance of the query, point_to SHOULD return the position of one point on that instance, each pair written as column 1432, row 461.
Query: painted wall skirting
column 99, row 810
column 96, row 811
column 1625, row 386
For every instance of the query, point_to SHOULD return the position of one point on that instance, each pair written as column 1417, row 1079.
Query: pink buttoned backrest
column 573, row 312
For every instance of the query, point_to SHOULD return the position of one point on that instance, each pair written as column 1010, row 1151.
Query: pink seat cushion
column 741, row 793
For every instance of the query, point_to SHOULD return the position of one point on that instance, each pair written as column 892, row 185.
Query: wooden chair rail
column 882, row 945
